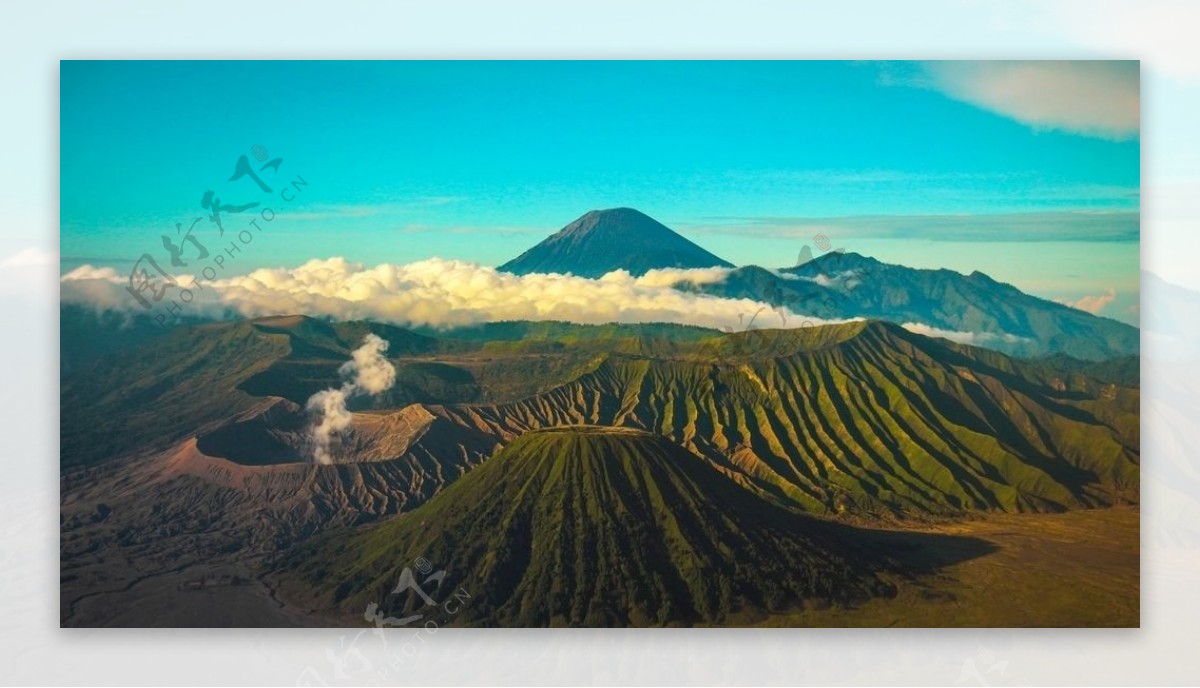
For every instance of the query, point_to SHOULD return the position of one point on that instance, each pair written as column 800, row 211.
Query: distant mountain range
column 973, row 308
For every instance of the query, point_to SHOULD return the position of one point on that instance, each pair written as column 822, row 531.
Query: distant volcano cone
column 605, row 240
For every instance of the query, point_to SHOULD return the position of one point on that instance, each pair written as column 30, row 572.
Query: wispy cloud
column 1095, row 304
column 410, row 216
column 1096, row 226
column 1091, row 98
column 972, row 338
column 349, row 211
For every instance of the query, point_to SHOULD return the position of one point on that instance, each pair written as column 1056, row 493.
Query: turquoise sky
column 925, row 165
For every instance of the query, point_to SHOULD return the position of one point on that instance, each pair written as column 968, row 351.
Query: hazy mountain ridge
column 989, row 313
column 839, row 285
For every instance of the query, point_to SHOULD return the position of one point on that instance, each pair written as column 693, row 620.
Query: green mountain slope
column 864, row 417
column 591, row 526
column 1122, row 370
column 861, row 417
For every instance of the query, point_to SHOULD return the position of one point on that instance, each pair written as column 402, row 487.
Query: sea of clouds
column 443, row 294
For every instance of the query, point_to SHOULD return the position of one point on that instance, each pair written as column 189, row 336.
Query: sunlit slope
column 862, row 416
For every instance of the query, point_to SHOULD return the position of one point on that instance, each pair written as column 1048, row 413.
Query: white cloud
column 440, row 293
column 89, row 272
column 1095, row 304
column 1161, row 33
column 846, row 279
column 972, row 338
column 100, row 287
column 666, row 277
column 1093, row 98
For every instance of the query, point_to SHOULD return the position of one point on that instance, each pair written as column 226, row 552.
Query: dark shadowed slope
column 605, row 240
column 591, row 526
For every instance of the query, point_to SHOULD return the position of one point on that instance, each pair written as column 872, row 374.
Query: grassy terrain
column 862, row 418
column 859, row 417
column 1074, row 569
column 594, row 527
column 684, row 508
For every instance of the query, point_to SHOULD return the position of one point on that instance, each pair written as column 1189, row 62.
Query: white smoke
column 368, row 369
column 367, row 372
column 330, row 416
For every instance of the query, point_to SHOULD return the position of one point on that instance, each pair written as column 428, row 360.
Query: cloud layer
column 439, row 293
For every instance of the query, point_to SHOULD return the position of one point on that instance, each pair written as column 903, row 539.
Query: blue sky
column 1026, row 171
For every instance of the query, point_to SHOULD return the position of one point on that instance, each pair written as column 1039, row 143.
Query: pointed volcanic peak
column 616, row 239
column 593, row 526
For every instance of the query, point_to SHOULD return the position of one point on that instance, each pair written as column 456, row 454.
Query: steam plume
column 367, row 372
